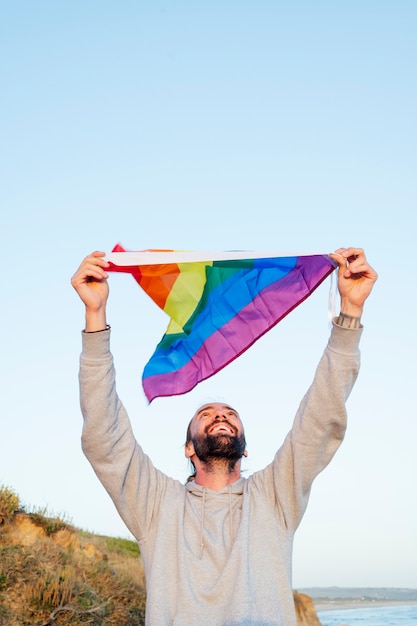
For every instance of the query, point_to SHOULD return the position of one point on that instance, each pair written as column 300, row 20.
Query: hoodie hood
column 234, row 488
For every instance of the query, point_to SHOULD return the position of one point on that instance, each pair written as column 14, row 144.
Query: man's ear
column 245, row 453
column 189, row 450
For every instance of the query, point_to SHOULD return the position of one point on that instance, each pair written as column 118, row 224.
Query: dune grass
column 54, row 574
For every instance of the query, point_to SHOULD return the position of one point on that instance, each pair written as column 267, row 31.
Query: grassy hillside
column 54, row 574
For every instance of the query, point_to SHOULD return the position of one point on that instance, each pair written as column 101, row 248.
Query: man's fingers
column 91, row 269
column 340, row 260
column 353, row 264
column 96, row 259
column 95, row 271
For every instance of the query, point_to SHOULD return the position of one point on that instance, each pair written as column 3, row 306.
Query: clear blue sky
column 213, row 125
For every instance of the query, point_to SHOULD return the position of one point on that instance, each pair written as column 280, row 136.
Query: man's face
column 217, row 433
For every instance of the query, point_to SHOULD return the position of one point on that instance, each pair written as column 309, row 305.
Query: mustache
column 207, row 428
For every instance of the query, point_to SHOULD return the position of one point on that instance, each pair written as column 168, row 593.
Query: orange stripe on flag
column 158, row 280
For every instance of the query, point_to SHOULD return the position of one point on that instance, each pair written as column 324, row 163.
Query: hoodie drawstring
column 231, row 515
column 203, row 511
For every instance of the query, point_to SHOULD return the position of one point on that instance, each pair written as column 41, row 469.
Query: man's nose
column 220, row 416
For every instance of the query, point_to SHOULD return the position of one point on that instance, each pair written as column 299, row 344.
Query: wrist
column 95, row 320
column 349, row 308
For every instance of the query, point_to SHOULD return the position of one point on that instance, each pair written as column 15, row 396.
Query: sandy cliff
column 305, row 610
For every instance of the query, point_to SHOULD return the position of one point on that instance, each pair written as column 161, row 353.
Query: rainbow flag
column 219, row 304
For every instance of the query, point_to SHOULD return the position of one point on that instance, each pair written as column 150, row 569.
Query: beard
column 219, row 448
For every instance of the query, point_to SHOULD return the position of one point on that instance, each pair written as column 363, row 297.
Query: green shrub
column 9, row 503
column 50, row 525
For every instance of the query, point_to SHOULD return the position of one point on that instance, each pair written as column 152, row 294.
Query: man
column 218, row 551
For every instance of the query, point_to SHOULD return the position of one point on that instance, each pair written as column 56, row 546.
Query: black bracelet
column 91, row 332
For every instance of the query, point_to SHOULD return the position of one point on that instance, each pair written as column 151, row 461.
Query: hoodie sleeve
column 108, row 442
column 318, row 428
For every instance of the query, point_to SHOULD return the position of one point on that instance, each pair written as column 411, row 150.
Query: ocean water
column 374, row 616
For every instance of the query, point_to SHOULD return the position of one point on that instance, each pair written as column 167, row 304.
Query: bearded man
column 217, row 551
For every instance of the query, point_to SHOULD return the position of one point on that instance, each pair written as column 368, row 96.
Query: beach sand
column 357, row 603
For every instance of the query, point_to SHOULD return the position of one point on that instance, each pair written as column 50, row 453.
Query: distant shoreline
column 357, row 603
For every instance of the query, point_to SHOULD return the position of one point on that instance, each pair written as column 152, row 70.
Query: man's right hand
column 90, row 282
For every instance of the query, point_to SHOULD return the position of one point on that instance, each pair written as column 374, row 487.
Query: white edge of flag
column 151, row 257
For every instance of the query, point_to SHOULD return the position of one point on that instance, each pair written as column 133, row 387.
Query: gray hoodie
column 216, row 558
